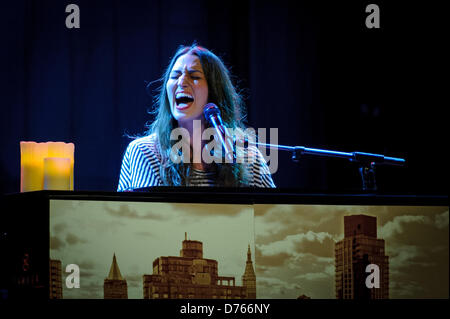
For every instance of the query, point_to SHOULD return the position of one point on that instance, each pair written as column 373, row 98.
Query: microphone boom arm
column 366, row 161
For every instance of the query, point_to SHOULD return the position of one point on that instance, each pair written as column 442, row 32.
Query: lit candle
column 32, row 166
column 64, row 150
column 57, row 173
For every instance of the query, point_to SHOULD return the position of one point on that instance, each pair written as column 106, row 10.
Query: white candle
column 57, row 171
column 61, row 149
column 32, row 156
column 32, row 166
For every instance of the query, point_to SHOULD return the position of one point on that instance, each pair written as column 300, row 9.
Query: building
column 190, row 276
column 115, row 286
column 55, row 278
column 359, row 248
column 249, row 277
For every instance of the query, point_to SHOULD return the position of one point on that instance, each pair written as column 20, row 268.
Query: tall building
column 55, row 277
column 115, row 286
column 189, row 276
column 359, row 248
column 249, row 277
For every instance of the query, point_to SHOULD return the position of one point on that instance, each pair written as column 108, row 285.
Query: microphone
column 212, row 115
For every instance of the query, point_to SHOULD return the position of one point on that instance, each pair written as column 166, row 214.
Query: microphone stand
column 366, row 161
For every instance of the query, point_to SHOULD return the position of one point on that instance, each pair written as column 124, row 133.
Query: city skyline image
column 295, row 249
column 90, row 233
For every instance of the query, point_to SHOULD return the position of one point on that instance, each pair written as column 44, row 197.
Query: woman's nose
column 182, row 80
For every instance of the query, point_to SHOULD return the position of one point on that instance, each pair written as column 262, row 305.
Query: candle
column 64, row 150
column 32, row 164
column 57, row 173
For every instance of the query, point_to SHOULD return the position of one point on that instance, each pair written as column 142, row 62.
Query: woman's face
column 187, row 89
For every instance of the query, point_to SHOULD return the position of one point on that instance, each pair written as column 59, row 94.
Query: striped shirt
column 141, row 168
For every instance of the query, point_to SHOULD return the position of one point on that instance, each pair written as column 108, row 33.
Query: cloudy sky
column 88, row 233
column 295, row 249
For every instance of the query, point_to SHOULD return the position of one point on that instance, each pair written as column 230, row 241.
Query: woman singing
column 194, row 78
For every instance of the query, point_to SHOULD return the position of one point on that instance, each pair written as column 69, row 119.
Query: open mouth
column 183, row 100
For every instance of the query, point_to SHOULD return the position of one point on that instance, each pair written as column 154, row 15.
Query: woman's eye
column 176, row 76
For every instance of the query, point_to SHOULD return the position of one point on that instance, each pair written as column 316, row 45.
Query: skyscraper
column 55, row 278
column 249, row 277
column 189, row 276
column 359, row 248
column 115, row 286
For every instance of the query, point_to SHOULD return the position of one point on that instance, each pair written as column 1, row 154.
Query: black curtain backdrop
column 309, row 68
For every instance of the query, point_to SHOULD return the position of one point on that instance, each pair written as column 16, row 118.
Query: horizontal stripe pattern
column 201, row 178
column 141, row 168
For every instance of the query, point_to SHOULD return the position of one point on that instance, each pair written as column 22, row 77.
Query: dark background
column 309, row 68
